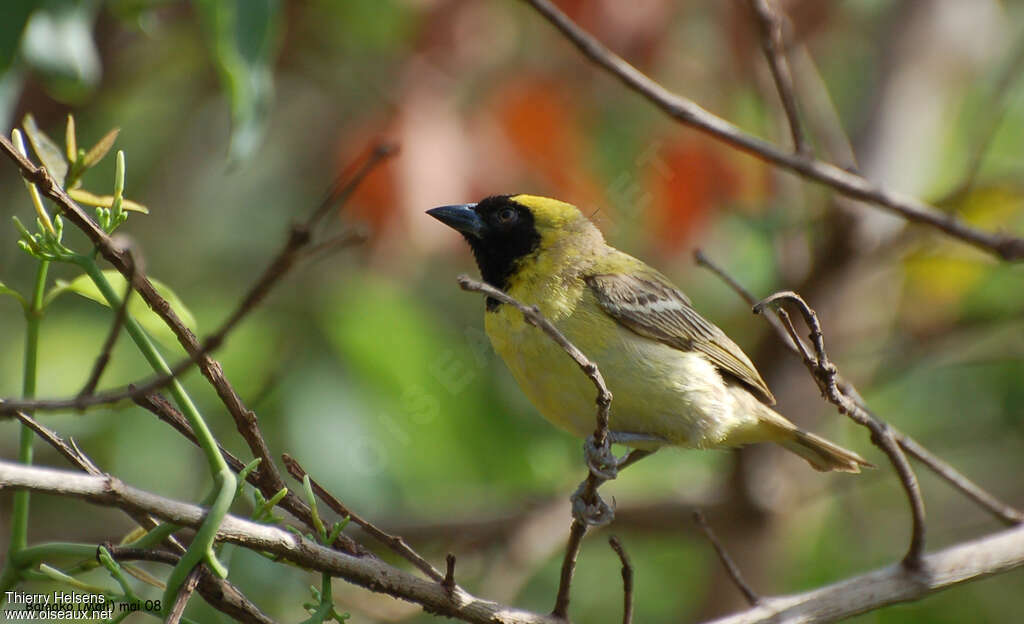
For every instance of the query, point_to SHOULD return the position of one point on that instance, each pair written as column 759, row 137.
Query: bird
column 676, row 378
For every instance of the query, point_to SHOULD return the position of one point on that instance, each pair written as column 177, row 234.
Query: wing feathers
column 649, row 305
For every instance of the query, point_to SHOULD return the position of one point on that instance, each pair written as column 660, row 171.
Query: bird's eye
column 507, row 215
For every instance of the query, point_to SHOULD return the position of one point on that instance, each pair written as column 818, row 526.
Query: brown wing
column 649, row 305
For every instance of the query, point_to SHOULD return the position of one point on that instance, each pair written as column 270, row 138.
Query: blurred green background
column 371, row 366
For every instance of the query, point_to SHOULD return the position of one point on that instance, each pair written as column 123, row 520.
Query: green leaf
column 83, row 196
column 49, row 153
column 243, row 37
column 101, row 148
column 137, row 308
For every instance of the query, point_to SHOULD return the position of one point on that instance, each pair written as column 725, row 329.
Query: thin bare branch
column 70, row 453
column 730, row 566
column 770, row 23
column 685, row 111
column 703, row 260
column 394, row 542
column 996, row 109
column 825, row 374
column 367, row 572
column 627, row 579
column 996, row 507
column 295, row 247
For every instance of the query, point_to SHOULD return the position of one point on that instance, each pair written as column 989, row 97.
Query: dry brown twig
column 266, row 477
column 448, row 582
column 770, row 23
column 181, row 600
column 627, row 579
column 723, row 555
column 687, row 112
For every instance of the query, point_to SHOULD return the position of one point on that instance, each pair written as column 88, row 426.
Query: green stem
column 19, row 509
column 28, row 556
column 224, row 480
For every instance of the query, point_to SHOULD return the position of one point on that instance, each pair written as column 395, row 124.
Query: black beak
column 460, row 217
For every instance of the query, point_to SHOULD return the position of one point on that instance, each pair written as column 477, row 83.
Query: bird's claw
column 600, row 460
column 594, row 513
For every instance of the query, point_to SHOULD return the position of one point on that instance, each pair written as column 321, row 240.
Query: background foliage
column 372, row 366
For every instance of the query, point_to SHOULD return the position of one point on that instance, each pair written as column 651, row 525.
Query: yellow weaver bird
column 676, row 379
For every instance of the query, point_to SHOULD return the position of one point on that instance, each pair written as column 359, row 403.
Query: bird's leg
column 633, row 457
column 603, row 463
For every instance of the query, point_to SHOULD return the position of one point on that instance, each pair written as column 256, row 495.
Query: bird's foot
column 595, row 512
column 602, row 463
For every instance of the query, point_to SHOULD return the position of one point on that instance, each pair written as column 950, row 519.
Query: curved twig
column 826, row 374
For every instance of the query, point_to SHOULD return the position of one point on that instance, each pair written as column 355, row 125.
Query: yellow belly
column 657, row 390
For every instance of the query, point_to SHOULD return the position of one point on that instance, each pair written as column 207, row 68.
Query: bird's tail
column 820, row 453
column 823, row 455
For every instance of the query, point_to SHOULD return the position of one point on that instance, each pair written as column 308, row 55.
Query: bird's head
column 504, row 229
